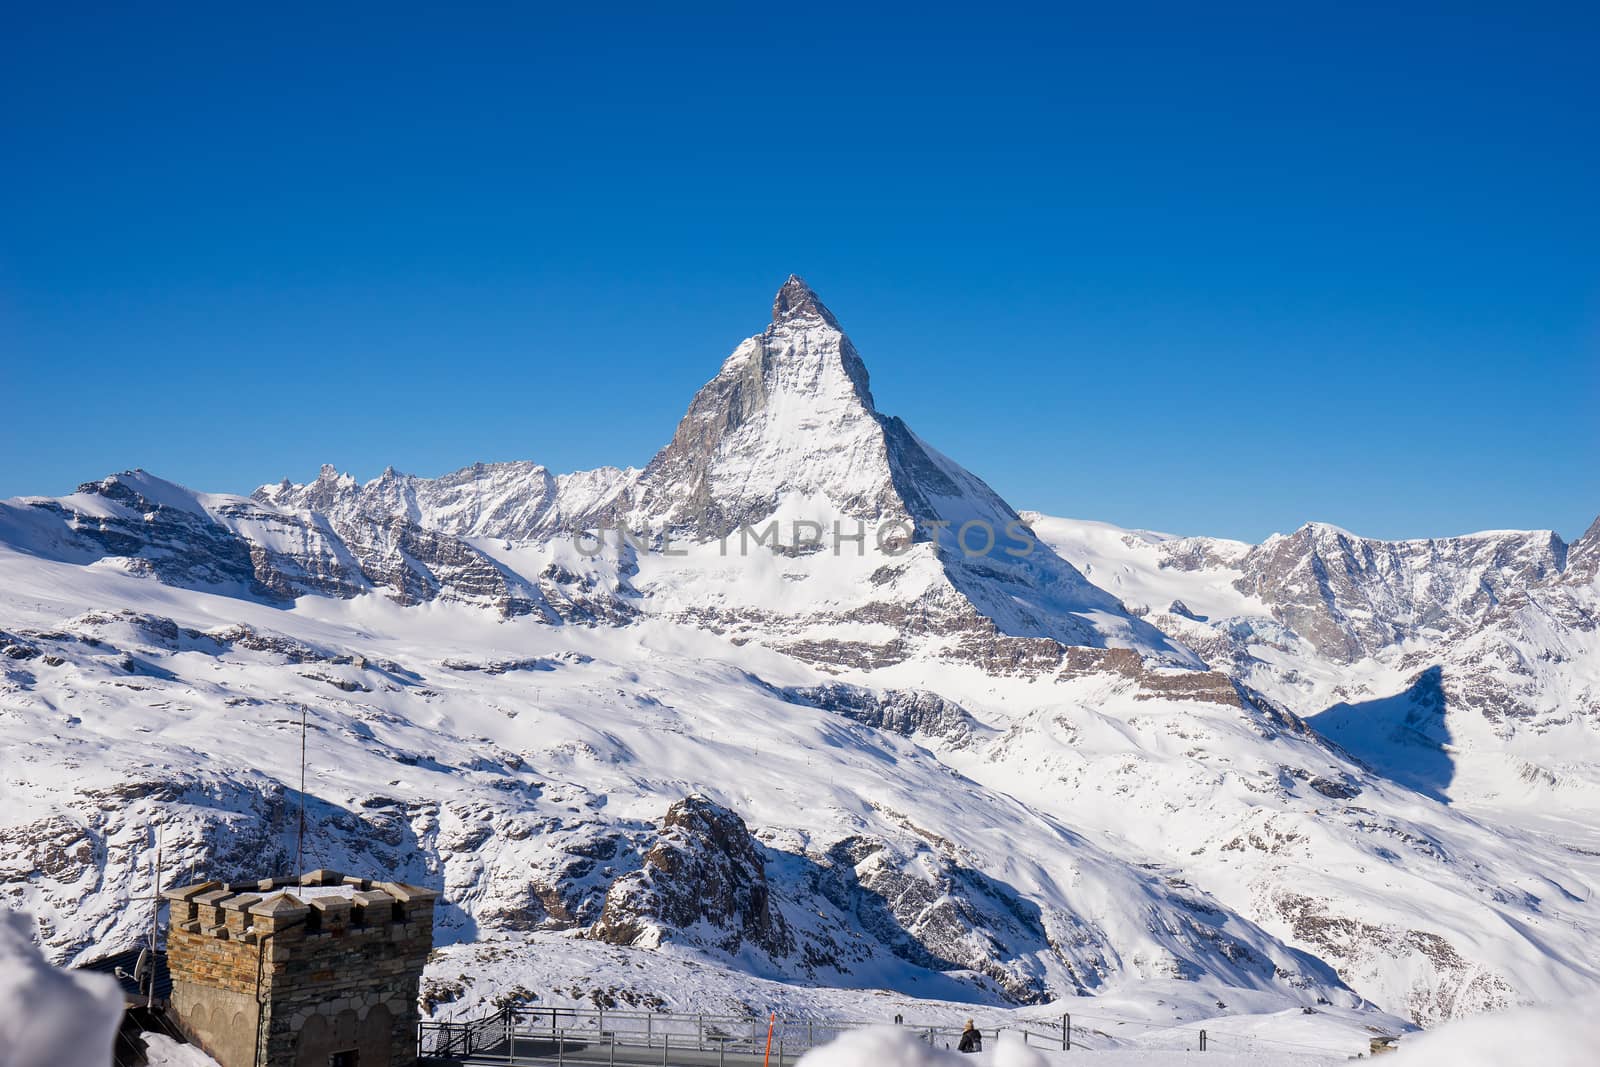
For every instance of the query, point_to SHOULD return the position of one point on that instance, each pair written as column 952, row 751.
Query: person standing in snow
column 971, row 1039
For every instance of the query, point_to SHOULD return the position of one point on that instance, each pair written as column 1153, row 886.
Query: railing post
column 1202, row 1041
column 666, row 1044
column 561, row 1047
column 611, row 1050
column 647, row 1031
column 1066, row 1031
column 700, row 1033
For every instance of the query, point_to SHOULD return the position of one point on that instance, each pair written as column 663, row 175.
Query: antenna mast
column 155, row 919
column 300, row 835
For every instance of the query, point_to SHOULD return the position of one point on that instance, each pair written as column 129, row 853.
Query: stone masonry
column 310, row 973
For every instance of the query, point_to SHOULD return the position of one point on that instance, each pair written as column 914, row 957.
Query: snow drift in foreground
column 70, row 1018
column 1563, row 1035
column 879, row 1047
column 162, row 1051
column 895, row 1047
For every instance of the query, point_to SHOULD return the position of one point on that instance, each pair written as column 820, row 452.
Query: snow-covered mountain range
column 804, row 701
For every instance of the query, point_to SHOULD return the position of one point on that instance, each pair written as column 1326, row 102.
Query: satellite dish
column 141, row 968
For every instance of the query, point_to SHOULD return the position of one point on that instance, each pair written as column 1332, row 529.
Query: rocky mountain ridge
column 1494, row 632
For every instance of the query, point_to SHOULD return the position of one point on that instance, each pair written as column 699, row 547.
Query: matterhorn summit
column 839, row 516
column 788, row 418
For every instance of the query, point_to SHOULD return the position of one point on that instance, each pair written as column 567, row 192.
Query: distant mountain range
column 803, row 699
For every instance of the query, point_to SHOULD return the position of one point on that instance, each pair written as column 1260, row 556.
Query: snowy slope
column 494, row 757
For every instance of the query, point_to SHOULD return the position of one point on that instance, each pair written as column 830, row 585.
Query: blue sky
column 1210, row 270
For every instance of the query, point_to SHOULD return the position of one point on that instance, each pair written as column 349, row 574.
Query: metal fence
column 598, row 1035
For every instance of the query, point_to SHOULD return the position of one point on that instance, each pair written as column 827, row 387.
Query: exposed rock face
column 167, row 535
column 85, row 856
column 1353, row 597
column 259, row 550
column 1583, row 558
column 790, row 417
column 907, row 712
column 417, row 565
column 14, row 647
column 518, row 501
column 704, row 880
column 933, row 913
column 1534, row 664
column 293, row 555
column 1445, row 985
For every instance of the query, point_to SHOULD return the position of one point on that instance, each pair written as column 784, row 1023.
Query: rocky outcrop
column 908, row 712
column 517, row 501
column 934, row 913
column 1503, row 626
column 160, row 532
column 1583, row 557
column 415, row 565
column 704, row 881
column 502, row 666
column 255, row 549
column 1445, row 984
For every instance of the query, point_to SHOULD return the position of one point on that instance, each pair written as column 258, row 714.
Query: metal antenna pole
column 155, row 918
column 300, row 835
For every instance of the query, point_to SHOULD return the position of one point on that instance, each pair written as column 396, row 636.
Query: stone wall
column 329, row 971
column 220, row 1022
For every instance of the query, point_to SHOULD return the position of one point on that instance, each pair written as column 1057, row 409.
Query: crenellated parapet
column 243, row 911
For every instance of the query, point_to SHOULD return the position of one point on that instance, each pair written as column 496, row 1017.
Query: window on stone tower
column 347, row 1058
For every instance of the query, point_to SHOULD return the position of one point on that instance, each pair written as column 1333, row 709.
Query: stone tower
column 320, row 972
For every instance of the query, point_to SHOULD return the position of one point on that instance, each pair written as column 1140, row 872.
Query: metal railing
column 599, row 1035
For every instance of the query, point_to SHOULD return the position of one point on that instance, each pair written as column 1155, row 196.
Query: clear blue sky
column 1190, row 268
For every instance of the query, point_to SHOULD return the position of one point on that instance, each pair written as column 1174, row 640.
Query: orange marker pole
column 767, row 1059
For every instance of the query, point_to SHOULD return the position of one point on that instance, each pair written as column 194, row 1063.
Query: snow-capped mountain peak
column 786, row 438
column 790, row 413
column 796, row 300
